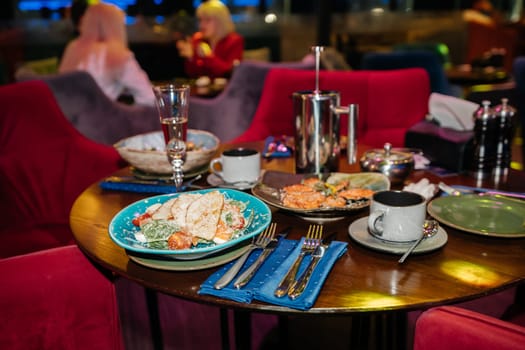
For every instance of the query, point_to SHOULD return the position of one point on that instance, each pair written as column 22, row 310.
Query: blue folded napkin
column 136, row 187
column 274, row 151
column 266, row 280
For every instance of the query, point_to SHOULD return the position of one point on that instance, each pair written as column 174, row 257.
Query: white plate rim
column 358, row 231
column 214, row 180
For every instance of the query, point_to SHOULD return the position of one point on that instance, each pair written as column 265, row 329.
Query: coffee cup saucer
column 216, row 181
column 358, row 230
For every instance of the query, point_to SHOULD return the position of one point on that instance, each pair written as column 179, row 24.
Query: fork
column 299, row 285
column 248, row 274
column 258, row 242
column 312, row 240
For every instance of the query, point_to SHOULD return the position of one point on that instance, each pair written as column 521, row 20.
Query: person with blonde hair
column 214, row 50
column 102, row 50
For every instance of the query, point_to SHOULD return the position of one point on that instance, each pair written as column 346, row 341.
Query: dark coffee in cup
column 239, row 152
column 398, row 198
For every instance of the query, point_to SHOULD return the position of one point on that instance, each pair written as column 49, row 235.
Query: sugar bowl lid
column 386, row 155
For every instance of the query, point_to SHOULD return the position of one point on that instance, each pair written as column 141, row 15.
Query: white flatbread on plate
column 203, row 215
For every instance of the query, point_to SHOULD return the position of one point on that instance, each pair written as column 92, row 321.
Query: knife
column 247, row 275
column 232, row 272
column 299, row 285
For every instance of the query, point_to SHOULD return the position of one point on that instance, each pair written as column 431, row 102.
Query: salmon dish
column 314, row 193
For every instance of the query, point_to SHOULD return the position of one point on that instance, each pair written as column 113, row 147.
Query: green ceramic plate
column 164, row 263
column 486, row 215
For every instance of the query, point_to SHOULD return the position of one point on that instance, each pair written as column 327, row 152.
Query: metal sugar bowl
column 396, row 165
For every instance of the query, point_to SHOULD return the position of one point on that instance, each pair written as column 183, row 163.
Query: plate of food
column 320, row 196
column 189, row 225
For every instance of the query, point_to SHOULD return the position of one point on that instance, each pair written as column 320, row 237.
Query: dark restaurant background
column 287, row 27
column 22, row 8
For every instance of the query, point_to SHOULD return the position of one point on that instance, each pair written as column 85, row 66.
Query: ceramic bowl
column 146, row 152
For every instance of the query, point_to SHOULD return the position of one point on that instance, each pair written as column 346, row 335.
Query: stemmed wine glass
column 172, row 106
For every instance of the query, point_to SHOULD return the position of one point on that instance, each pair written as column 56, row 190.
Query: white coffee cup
column 397, row 216
column 237, row 165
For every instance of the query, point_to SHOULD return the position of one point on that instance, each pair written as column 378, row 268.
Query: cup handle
column 373, row 219
column 214, row 162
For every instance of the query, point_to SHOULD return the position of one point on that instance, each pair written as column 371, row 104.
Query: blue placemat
column 134, row 187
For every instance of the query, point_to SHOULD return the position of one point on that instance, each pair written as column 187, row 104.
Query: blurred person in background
column 102, row 50
column 483, row 12
column 216, row 48
column 77, row 10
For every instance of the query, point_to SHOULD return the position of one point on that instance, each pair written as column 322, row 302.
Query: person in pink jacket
column 102, row 50
column 216, row 48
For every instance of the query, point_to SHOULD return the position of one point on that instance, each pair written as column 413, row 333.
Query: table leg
column 225, row 329
column 384, row 331
column 283, row 331
column 152, row 304
column 243, row 329
column 359, row 333
column 518, row 306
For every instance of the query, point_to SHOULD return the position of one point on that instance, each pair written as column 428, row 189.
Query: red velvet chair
column 390, row 102
column 56, row 299
column 45, row 163
column 453, row 328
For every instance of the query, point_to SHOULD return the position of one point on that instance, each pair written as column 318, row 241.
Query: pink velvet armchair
column 56, row 299
column 390, row 102
column 45, row 164
column 453, row 328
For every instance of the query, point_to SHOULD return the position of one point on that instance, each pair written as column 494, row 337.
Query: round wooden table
column 362, row 282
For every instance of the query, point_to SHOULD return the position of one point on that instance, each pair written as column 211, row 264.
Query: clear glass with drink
column 172, row 106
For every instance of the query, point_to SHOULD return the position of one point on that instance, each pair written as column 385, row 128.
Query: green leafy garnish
column 158, row 230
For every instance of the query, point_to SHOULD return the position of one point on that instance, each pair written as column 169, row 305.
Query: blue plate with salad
column 189, row 225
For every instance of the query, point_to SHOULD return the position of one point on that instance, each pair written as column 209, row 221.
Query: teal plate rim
column 122, row 231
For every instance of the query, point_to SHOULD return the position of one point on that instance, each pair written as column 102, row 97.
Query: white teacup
column 397, row 216
column 237, row 165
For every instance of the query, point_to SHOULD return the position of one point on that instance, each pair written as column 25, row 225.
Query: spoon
column 430, row 228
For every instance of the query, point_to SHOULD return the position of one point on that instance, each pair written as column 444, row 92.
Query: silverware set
column 299, row 285
column 259, row 242
column 310, row 243
column 290, row 285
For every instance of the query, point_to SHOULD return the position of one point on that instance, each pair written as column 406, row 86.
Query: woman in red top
column 216, row 48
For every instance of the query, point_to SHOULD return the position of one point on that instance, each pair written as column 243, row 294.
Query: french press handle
column 353, row 112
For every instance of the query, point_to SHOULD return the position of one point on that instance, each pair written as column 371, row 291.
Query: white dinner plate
column 214, row 180
column 358, row 230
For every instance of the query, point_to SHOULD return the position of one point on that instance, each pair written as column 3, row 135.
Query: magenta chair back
column 453, row 328
column 389, row 102
column 56, row 299
column 45, row 163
